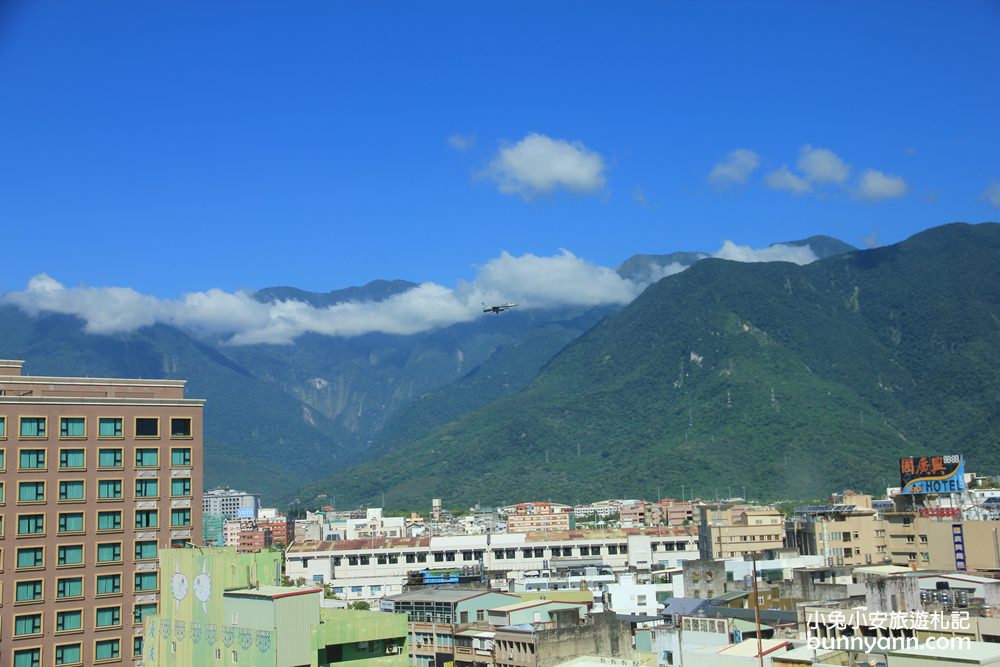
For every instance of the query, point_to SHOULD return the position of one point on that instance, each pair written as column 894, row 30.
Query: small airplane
column 498, row 309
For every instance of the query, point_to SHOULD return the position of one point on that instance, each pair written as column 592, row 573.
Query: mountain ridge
column 708, row 366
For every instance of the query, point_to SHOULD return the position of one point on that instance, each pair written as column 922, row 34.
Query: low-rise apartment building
column 436, row 615
column 733, row 531
column 848, row 531
column 539, row 517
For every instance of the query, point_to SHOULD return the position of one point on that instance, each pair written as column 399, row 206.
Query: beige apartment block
column 928, row 543
column 733, row 531
column 540, row 517
column 845, row 532
column 96, row 475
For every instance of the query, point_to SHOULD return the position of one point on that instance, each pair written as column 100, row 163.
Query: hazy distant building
column 231, row 503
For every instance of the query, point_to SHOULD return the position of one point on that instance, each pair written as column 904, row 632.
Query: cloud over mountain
column 778, row 252
column 532, row 281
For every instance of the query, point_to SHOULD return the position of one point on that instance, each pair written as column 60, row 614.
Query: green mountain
column 302, row 411
column 793, row 381
column 250, row 426
column 376, row 290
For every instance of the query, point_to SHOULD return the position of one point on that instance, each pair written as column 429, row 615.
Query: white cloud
column 992, row 193
column 735, row 168
column 871, row 240
column 784, row 179
column 531, row 281
column 462, row 142
column 821, row 165
column 639, row 197
column 539, row 165
column 551, row 281
column 877, row 185
column 778, row 252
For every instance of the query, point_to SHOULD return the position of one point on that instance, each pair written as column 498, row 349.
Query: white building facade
column 373, row 568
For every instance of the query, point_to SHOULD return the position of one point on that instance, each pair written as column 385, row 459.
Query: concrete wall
column 603, row 636
column 893, row 594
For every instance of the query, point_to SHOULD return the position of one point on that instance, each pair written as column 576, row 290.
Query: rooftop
column 525, row 604
column 271, row 592
column 977, row 653
column 439, row 595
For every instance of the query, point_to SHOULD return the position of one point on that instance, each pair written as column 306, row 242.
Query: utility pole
column 756, row 608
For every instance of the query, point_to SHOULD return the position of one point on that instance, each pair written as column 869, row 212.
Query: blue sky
column 182, row 146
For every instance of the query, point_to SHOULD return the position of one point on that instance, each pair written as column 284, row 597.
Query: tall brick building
column 95, row 475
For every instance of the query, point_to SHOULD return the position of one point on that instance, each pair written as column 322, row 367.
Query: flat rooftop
column 270, row 592
column 977, row 653
column 438, row 595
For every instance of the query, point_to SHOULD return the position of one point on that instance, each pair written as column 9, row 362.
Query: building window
column 32, row 427
column 147, row 518
column 28, row 624
column 108, row 489
column 109, row 427
column 137, row 645
column 70, row 587
column 109, row 458
column 147, row 458
column 109, row 552
column 28, row 591
column 108, row 649
column 31, row 524
column 141, row 611
column 31, row 459
column 145, row 550
column 108, row 617
column 180, row 457
column 72, row 458
column 67, row 621
column 3, row 460
column 109, row 520
column 145, row 581
column 72, row 427
column 31, row 492
column 71, row 554
column 147, row 488
column 3, row 427
column 109, row 584
column 180, row 486
column 147, row 427
column 31, row 657
column 71, row 490
column 71, row 522
column 68, row 654
column 180, row 427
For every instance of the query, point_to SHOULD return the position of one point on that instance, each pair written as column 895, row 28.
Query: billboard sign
column 932, row 474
